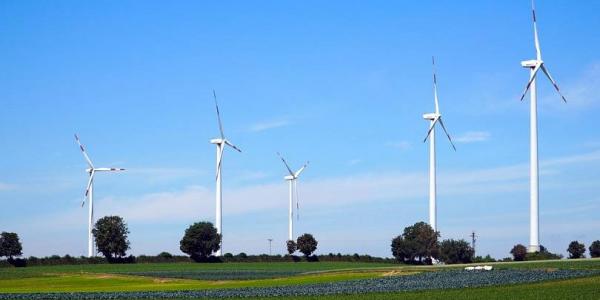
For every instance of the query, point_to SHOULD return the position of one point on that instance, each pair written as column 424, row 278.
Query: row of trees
column 201, row 240
column 575, row 250
column 419, row 244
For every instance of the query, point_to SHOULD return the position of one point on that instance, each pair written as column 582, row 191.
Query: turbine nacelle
column 289, row 177
column 217, row 141
column 431, row 116
column 532, row 63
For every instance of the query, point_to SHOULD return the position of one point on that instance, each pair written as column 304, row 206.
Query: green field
column 162, row 277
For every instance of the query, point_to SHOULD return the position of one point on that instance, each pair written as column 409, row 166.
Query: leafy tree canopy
column 10, row 245
column 110, row 234
column 200, row 241
column 456, row 251
column 306, row 244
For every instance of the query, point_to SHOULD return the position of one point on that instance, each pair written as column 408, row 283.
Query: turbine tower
column 434, row 118
column 89, row 194
column 220, row 142
column 534, row 66
column 293, row 192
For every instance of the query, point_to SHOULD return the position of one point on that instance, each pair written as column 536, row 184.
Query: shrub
column 165, row 255
column 486, row 259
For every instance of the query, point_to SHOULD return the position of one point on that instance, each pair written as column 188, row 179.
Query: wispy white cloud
column 161, row 174
column 473, row 137
column 331, row 192
column 400, row 145
column 582, row 92
column 269, row 124
column 354, row 162
column 7, row 186
column 189, row 204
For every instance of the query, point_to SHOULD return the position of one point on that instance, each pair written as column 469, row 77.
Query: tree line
column 418, row 244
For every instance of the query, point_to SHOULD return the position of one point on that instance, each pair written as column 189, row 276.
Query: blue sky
column 343, row 84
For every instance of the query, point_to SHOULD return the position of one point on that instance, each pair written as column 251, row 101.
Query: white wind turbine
column 293, row 192
column 534, row 66
column 220, row 142
column 89, row 193
column 434, row 118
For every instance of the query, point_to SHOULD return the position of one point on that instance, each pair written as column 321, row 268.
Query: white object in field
column 433, row 119
column 479, row 268
column 535, row 66
column 220, row 143
column 292, row 179
column 89, row 194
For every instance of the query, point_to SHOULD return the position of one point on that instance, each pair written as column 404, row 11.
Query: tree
column 576, row 250
column 10, row 245
column 595, row 249
column 519, row 252
column 401, row 249
column 306, row 244
column 110, row 234
column 200, row 241
column 456, row 251
column 291, row 247
column 418, row 242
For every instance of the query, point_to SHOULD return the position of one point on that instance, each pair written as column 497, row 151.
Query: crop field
column 329, row 280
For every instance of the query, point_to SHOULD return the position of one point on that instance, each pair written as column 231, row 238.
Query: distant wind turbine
column 434, row 118
column 293, row 192
column 220, row 142
column 534, row 66
column 89, row 193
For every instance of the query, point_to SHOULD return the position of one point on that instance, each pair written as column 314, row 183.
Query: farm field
column 337, row 280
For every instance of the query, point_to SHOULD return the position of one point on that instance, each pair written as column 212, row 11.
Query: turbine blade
column 232, row 146
column 301, row 169
column 219, row 162
column 286, row 164
column 430, row 129
column 447, row 134
column 531, row 79
column 538, row 52
column 109, row 169
column 553, row 82
column 88, row 187
column 218, row 115
column 435, row 93
column 87, row 158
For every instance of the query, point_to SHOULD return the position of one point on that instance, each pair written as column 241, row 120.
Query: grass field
column 160, row 277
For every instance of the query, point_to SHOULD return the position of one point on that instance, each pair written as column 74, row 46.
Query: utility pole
column 270, row 240
column 473, row 239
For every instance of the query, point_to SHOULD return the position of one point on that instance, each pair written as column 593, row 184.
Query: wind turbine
column 89, row 193
column 220, row 142
column 434, row 118
column 534, row 66
column 293, row 192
